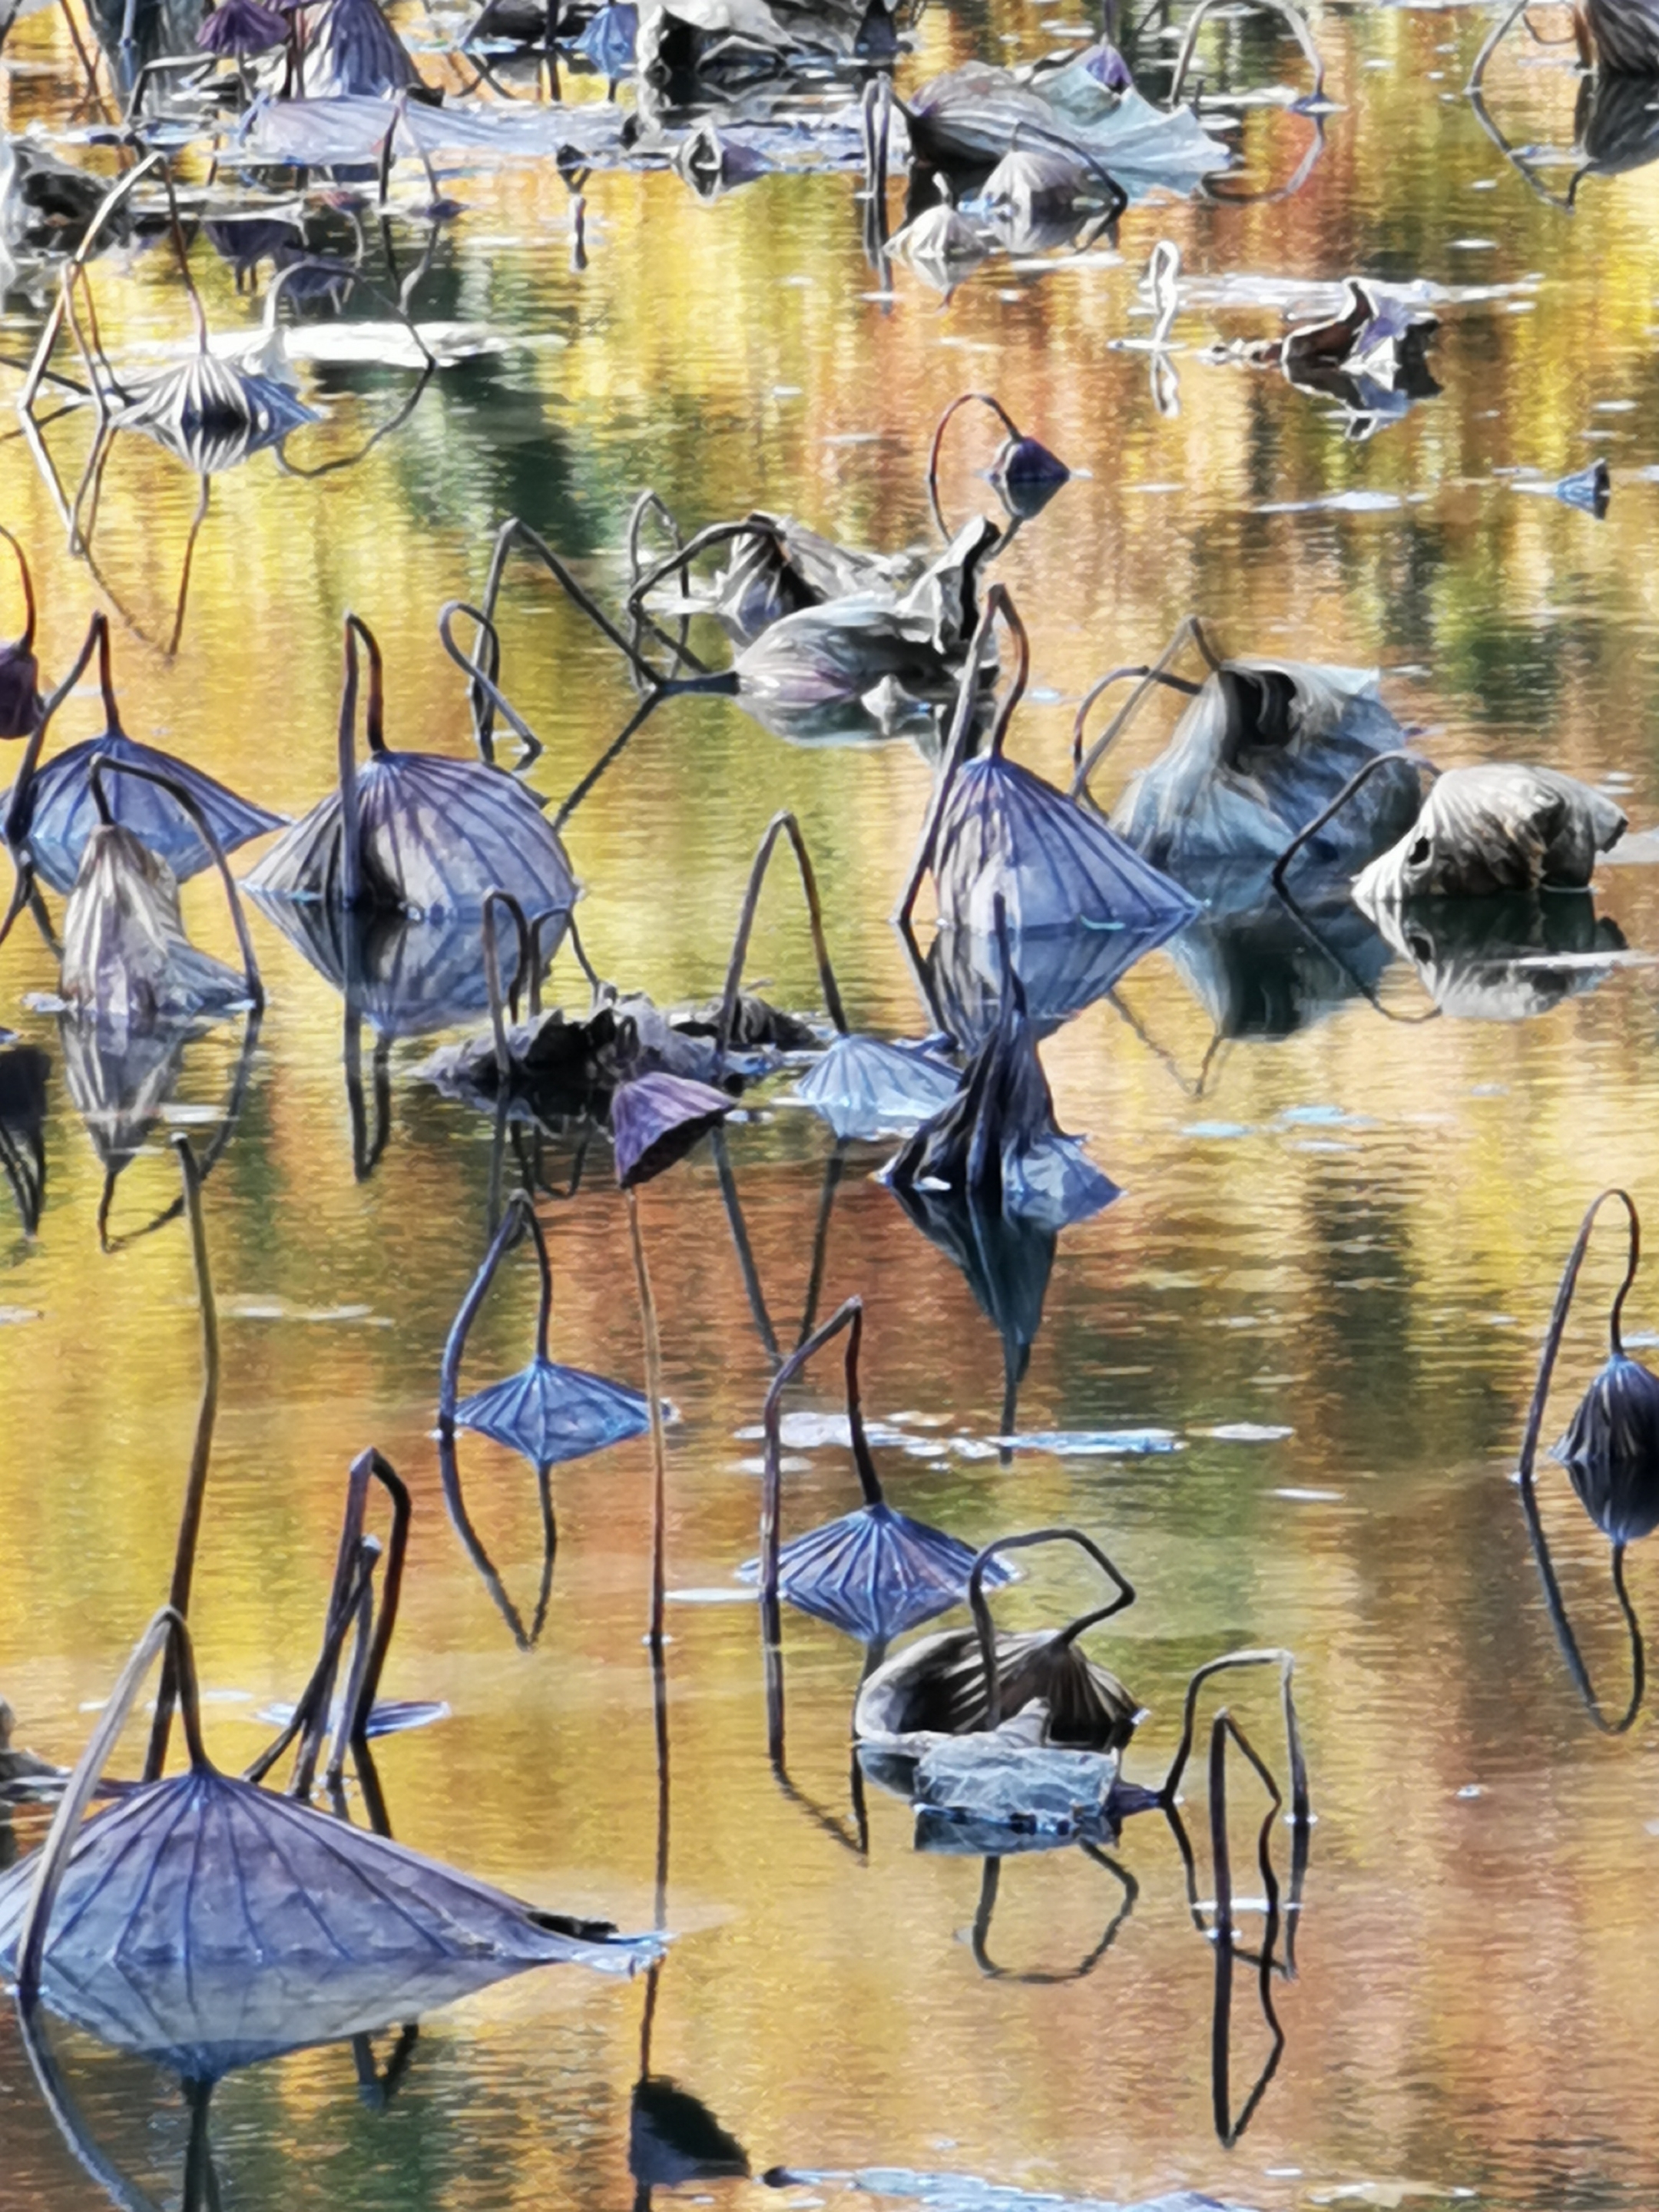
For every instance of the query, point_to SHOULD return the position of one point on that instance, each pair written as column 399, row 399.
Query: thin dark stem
column 981, row 1611
column 784, row 825
column 659, row 1441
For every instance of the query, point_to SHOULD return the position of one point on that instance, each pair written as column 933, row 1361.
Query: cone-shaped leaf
column 62, row 812
column 1005, row 834
column 864, row 1087
column 552, row 1413
column 656, row 1119
column 874, row 1573
column 437, row 835
column 207, row 1924
column 355, row 51
column 213, row 414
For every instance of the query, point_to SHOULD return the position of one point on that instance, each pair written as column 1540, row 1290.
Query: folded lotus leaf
column 865, row 1087
column 997, row 1142
column 44, row 203
column 1027, row 183
column 552, row 1413
column 208, row 1924
column 657, row 1118
column 1007, row 1262
column 875, row 1573
column 782, row 567
column 127, row 961
column 62, row 813
column 1264, row 747
column 936, row 1688
column 1504, row 828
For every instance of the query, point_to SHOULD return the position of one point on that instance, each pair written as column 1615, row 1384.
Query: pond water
column 1323, row 1286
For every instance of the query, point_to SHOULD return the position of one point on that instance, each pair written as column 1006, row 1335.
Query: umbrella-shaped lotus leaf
column 998, row 837
column 865, row 1087
column 874, row 1573
column 20, row 671
column 415, row 832
column 550, row 1414
column 1504, row 828
column 51, row 812
column 209, row 1923
column 657, row 1118
column 1263, row 748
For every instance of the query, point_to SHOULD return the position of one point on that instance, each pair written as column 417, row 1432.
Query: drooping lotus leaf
column 972, row 115
column 841, row 648
column 51, row 812
column 213, row 413
column 657, row 1118
column 127, row 960
column 550, row 1414
column 1265, row 747
column 1503, row 828
column 1062, row 971
column 865, row 1087
column 46, row 203
column 872, row 1573
column 1007, row 1260
column 1000, row 839
column 20, row 671
column 415, row 833
column 1611, row 1449
column 355, row 52
column 207, row 1924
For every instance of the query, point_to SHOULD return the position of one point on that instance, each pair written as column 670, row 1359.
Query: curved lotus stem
column 513, row 532
column 955, row 748
column 187, row 801
column 997, row 601
column 679, row 561
column 850, row 1317
column 980, row 1937
column 650, row 502
column 1569, row 1643
column 781, row 825
column 1228, row 2129
column 20, row 807
column 484, row 681
column 495, row 899
column 1361, row 776
column 117, row 191
column 1564, row 1297
column 1292, row 15
column 371, row 1655
column 1189, row 629
column 182, row 253
column 967, row 399
column 1102, row 684
column 27, row 641
column 1286, row 1662
column 1493, row 39
column 190, row 1519
column 167, row 1630
column 981, row 1611
column 310, row 1714
column 512, row 1228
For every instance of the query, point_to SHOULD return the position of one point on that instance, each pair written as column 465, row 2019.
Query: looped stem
column 1564, row 1297
column 484, row 681
column 1190, row 629
column 1361, row 776
column 966, row 399
column 981, row 1611
column 850, row 1317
